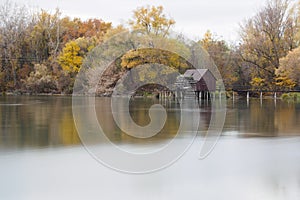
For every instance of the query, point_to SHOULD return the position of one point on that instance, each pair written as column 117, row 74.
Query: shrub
column 40, row 80
column 293, row 96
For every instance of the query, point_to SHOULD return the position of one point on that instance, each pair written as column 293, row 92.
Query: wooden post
column 275, row 99
column 248, row 97
column 261, row 95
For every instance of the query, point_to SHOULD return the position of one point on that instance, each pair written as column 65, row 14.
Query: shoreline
column 237, row 97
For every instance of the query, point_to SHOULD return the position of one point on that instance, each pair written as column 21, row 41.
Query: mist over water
column 41, row 156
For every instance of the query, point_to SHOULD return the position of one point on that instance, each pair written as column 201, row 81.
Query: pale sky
column 193, row 17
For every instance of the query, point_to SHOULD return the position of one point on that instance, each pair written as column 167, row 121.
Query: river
column 42, row 156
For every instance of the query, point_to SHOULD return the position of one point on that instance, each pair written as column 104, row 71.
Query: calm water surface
column 41, row 156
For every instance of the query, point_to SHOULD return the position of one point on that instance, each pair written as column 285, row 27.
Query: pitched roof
column 196, row 74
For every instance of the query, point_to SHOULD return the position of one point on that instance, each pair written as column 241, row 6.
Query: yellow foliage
column 207, row 40
column 285, row 82
column 257, row 83
column 73, row 53
column 138, row 57
column 69, row 59
column 152, row 20
column 289, row 71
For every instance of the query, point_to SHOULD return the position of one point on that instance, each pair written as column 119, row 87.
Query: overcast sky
column 193, row 17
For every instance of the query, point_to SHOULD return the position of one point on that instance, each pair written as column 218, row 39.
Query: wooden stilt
column 261, row 95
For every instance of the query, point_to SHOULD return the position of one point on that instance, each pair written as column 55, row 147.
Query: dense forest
column 42, row 52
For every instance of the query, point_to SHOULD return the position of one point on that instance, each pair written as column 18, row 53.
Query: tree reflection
column 36, row 122
column 267, row 119
column 28, row 122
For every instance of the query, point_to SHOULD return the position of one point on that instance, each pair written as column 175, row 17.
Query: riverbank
column 293, row 96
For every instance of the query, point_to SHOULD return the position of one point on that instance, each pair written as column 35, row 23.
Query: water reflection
column 139, row 113
column 238, row 168
column 48, row 121
column 139, row 108
column 36, row 122
column 266, row 118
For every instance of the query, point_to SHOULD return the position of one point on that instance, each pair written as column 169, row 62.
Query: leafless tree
column 13, row 24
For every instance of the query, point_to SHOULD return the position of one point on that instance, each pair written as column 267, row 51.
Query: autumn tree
column 94, row 28
column 72, row 55
column 76, row 28
column 70, row 60
column 152, row 20
column 50, row 33
column 267, row 37
column 141, row 56
column 155, row 23
column 288, row 74
column 224, row 58
column 46, row 35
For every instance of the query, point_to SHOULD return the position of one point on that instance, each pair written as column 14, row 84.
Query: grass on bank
column 293, row 96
